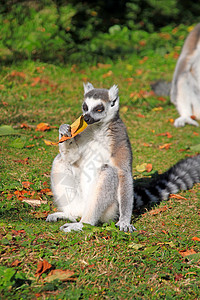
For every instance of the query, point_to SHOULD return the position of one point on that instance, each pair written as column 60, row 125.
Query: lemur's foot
column 65, row 129
column 72, row 227
column 182, row 121
column 124, row 226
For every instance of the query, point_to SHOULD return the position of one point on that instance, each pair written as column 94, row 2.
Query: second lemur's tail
column 181, row 176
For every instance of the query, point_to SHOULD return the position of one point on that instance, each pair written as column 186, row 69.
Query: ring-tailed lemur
column 92, row 176
column 185, row 89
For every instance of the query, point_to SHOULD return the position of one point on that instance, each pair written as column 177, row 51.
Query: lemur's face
column 100, row 105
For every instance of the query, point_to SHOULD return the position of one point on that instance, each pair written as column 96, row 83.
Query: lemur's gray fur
column 92, row 175
column 185, row 90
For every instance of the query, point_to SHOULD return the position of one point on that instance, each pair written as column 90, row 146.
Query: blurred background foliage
column 78, row 31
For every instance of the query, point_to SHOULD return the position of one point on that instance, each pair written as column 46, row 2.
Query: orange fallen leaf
column 195, row 238
column 24, row 125
column 165, row 146
column 22, row 161
column 26, row 184
column 162, row 99
column 176, row 196
column 187, row 252
column 42, row 127
column 165, row 134
column 178, row 277
column 149, row 168
column 159, row 210
column 193, row 117
column 107, row 74
column 164, row 231
column 42, row 267
column 77, row 127
column 16, row 263
column 196, row 133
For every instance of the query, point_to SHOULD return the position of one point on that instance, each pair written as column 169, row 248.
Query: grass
column 107, row 264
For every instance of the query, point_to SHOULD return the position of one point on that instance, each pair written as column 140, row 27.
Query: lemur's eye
column 85, row 107
column 99, row 108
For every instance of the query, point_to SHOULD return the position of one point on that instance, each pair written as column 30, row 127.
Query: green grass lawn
column 161, row 260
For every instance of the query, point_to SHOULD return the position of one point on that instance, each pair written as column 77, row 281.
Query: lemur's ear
column 87, row 87
column 113, row 94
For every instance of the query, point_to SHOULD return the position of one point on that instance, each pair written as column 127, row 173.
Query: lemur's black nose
column 88, row 119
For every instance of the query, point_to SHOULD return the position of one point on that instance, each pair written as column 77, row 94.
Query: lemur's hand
column 65, row 129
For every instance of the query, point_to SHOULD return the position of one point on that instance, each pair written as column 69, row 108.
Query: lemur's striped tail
column 181, row 176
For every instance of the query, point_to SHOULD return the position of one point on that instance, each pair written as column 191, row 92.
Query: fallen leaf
column 26, row 184
column 24, row 125
column 140, row 116
column 46, row 191
column 158, row 210
column 149, row 167
column 196, row 133
column 104, row 66
column 62, row 275
column 40, row 214
column 42, row 267
column 162, row 99
column 193, row 117
column 124, row 109
column 141, row 168
column 157, row 108
column 195, row 238
column 146, row 145
column 34, row 202
column 22, row 161
column 195, row 148
column 77, row 127
column 135, row 246
column 36, row 80
column 16, row 263
column 7, row 130
column 164, row 231
column 178, row 277
column 165, row 134
column 165, row 146
column 107, row 74
column 187, row 252
column 42, row 127
column 176, row 196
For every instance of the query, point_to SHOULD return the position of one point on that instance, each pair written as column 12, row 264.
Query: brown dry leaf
column 193, row 117
column 42, row 267
column 107, row 74
column 24, row 125
column 149, row 167
column 195, row 238
column 159, row 210
column 34, row 202
column 62, row 275
column 146, row 145
column 104, row 66
column 22, row 161
column 187, row 252
column 176, row 196
column 16, row 263
column 77, row 127
column 178, row 277
column 40, row 214
column 165, row 146
column 42, row 127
